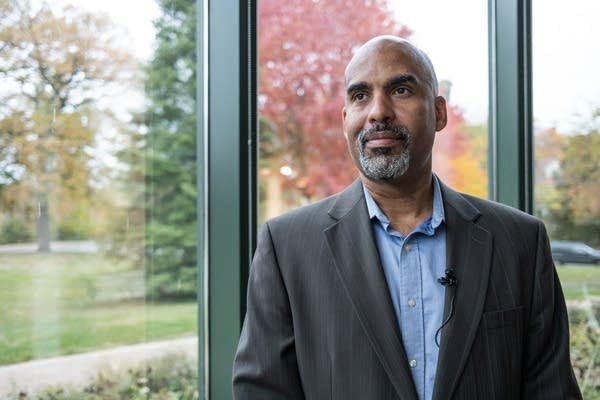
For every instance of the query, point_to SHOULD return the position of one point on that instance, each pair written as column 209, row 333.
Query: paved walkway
column 75, row 246
column 79, row 369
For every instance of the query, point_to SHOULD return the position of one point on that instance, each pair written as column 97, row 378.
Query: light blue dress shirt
column 412, row 266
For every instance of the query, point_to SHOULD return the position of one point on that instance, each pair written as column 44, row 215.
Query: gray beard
column 382, row 165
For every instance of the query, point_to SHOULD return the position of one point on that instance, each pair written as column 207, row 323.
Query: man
column 399, row 287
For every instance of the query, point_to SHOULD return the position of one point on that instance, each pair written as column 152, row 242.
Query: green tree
column 54, row 67
column 170, row 155
column 549, row 148
column 574, row 210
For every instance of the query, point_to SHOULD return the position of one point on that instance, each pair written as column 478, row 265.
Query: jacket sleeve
column 548, row 373
column 265, row 364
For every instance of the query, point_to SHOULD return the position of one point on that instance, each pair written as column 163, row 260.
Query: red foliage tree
column 457, row 160
column 303, row 49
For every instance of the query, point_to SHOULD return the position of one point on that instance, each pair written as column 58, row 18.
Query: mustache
column 400, row 131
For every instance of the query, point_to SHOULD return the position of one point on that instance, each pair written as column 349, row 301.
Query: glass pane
column 567, row 164
column 303, row 49
column 97, row 198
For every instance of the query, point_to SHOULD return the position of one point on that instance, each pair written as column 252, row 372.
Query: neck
column 406, row 202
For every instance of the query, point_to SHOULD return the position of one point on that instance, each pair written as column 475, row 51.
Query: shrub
column 15, row 230
column 76, row 225
column 585, row 354
column 172, row 377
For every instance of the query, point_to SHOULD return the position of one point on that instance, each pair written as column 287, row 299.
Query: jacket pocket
column 503, row 318
column 493, row 370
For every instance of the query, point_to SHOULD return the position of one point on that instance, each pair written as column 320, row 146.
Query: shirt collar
column 437, row 216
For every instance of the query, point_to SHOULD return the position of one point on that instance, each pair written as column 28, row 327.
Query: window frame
column 227, row 159
column 510, row 165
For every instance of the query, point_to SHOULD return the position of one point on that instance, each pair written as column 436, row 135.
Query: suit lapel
column 356, row 258
column 469, row 254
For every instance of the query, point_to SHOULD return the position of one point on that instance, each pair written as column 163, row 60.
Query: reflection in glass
column 97, row 196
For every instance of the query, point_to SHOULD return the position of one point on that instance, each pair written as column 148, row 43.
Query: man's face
column 391, row 112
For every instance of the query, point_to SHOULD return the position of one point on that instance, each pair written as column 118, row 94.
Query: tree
column 303, row 49
column 55, row 66
column 577, row 214
column 460, row 154
column 548, row 151
column 170, row 155
column 568, row 182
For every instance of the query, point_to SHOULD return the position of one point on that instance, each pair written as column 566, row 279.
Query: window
column 566, row 105
column 97, row 196
column 107, row 190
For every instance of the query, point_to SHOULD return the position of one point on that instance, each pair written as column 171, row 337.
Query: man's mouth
column 383, row 138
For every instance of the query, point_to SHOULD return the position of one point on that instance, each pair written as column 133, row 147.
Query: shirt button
column 413, row 363
column 412, row 302
column 407, row 247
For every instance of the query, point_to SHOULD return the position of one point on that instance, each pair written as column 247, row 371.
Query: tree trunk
column 43, row 225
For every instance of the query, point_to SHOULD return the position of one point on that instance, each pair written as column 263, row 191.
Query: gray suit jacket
column 320, row 322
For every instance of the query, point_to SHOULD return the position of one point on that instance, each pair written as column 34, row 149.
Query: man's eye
column 400, row 90
column 359, row 96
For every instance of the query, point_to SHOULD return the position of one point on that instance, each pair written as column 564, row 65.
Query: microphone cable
column 448, row 280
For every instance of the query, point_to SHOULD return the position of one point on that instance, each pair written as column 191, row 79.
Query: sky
column 566, row 50
column 566, row 59
column 454, row 35
column 134, row 15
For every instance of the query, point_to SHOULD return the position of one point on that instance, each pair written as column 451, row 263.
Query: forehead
column 384, row 60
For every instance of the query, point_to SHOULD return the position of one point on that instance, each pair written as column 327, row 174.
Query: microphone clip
column 449, row 279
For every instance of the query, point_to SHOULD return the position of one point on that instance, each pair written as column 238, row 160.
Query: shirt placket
column 411, row 307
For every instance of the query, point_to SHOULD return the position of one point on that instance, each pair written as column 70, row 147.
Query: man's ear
column 344, row 122
column 441, row 113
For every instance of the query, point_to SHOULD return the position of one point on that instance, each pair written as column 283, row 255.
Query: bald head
column 396, row 46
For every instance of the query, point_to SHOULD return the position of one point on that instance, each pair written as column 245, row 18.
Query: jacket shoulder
column 311, row 214
column 324, row 212
column 505, row 220
column 495, row 210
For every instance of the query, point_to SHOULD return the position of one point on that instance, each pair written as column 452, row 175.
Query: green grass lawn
column 577, row 280
column 57, row 304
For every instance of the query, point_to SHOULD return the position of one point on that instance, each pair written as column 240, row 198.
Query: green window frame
column 227, row 159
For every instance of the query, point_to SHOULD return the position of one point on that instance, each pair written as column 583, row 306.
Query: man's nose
column 381, row 109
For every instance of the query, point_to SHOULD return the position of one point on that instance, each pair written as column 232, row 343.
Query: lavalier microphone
column 449, row 279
